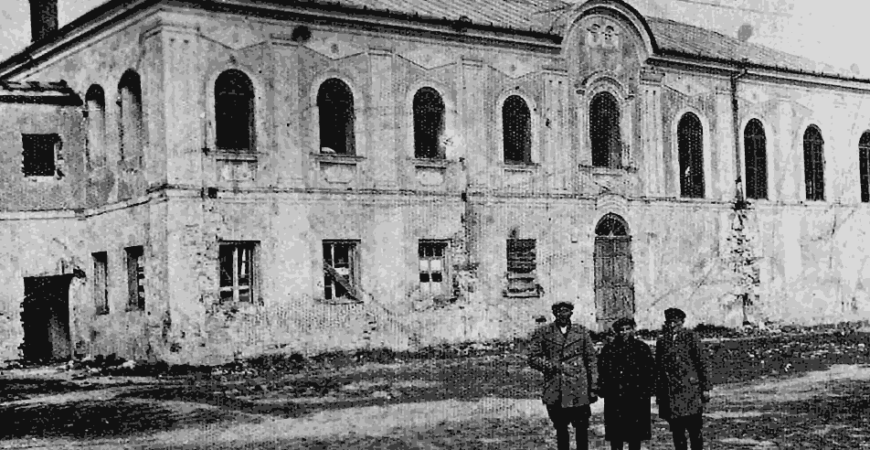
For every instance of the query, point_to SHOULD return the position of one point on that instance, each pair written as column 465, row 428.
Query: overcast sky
column 820, row 30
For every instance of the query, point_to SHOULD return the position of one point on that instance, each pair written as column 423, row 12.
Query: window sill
column 42, row 178
column 520, row 167
column 608, row 171
column 431, row 163
column 241, row 155
column 338, row 158
column 521, row 295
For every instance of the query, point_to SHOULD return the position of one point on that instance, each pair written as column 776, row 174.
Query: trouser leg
column 616, row 445
column 693, row 426
column 560, row 420
column 633, row 445
column 678, row 430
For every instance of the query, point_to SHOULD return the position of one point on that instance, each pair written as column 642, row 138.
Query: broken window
column 101, row 282
column 516, row 130
column 521, row 266
column 340, row 272
column 130, row 123
column 40, row 153
column 335, row 104
column 428, row 123
column 604, row 131
column 864, row 165
column 754, row 146
column 135, row 278
column 237, row 271
column 814, row 164
column 234, row 111
column 690, row 141
column 433, row 265
column 96, row 102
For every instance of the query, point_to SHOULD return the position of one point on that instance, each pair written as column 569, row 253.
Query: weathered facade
column 244, row 177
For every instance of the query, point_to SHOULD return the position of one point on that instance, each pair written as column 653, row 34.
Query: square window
column 237, row 271
column 340, row 270
column 135, row 278
column 40, row 152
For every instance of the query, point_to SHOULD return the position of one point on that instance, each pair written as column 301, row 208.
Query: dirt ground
column 784, row 392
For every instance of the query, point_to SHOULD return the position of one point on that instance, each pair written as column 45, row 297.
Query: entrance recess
column 45, row 319
column 614, row 288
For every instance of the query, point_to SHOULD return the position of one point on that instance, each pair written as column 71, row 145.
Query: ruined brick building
column 198, row 180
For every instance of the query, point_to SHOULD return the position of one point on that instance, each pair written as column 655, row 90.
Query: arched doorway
column 614, row 290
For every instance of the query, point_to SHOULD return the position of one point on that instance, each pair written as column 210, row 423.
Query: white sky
column 827, row 31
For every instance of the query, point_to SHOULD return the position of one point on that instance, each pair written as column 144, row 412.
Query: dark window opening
column 135, row 279
column 516, row 130
column 521, row 268
column 690, row 140
column 340, row 271
column 40, row 154
column 754, row 144
column 45, row 319
column 814, row 164
column 234, row 111
column 237, row 271
column 604, row 131
column 864, row 165
column 428, row 123
column 433, row 265
column 610, row 226
column 101, row 282
column 335, row 103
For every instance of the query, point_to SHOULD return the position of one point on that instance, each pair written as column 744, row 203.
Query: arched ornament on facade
column 566, row 23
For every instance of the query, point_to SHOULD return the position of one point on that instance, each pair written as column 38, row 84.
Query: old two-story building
column 194, row 181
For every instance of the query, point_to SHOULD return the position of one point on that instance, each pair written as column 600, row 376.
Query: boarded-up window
column 135, row 278
column 428, row 123
column 336, row 112
column 40, row 153
column 234, row 111
column 690, row 141
column 814, row 164
column 864, row 165
column 754, row 145
column 614, row 289
column 433, row 267
column 96, row 102
column 101, row 283
column 340, row 271
column 131, row 126
column 517, row 130
column 237, row 271
column 604, row 131
column 521, row 268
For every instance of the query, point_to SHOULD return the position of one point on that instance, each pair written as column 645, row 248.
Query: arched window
column 516, row 130
column 130, row 124
column 428, row 123
column 613, row 282
column 96, row 104
column 335, row 103
column 234, row 111
column 604, row 131
column 690, row 140
column 864, row 165
column 611, row 226
column 754, row 146
column 814, row 164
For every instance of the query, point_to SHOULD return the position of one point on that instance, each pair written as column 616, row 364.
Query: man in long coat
column 682, row 380
column 625, row 368
column 563, row 352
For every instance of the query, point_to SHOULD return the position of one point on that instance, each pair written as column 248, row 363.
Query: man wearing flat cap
column 625, row 384
column 682, row 380
column 563, row 352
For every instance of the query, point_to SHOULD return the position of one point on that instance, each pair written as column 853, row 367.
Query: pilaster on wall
column 153, row 76
column 287, row 119
column 722, row 160
column 472, row 122
column 651, row 133
column 557, row 155
column 383, row 141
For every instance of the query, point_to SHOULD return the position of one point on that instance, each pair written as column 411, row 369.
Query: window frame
column 349, row 120
column 424, row 257
column 528, row 152
column 218, row 101
column 695, row 155
column 756, row 144
column 27, row 152
column 437, row 135
column 864, row 165
column 235, row 287
column 101, row 282
column 615, row 158
column 135, row 259
column 814, row 166
column 519, row 277
column 331, row 272
column 95, row 101
column 131, row 117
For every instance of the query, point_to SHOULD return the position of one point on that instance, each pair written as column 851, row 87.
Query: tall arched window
column 234, row 111
column 690, row 140
column 814, row 163
column 96, row 104
column 755, row 150
column 614, row 285
column 516, row 130
column 335, row 103
column 864, row 165
column 428, row 123
column 604, row 131
column 130, row 124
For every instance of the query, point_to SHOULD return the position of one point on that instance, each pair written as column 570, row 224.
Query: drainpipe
column 735, row 119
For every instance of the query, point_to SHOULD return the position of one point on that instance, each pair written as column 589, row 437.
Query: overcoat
column 549, row 349
column 682, row 374
column 626, row 382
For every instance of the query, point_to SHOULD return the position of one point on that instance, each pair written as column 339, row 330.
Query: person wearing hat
column 682, row 380
column 625, row 384
column 563, row 352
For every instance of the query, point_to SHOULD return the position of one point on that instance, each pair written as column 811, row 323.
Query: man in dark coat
column 625, row 381
column 563, row 352
column 682, row 380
